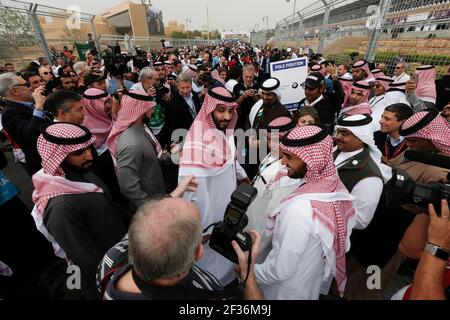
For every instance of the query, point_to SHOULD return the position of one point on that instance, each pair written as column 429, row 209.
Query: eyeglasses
column 26, row 84
column 398, row 67
column 46, row 73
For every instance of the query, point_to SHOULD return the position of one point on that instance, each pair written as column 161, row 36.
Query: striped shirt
column 115, row 264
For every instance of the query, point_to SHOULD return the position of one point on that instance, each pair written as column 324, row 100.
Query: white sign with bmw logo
column 291, row 73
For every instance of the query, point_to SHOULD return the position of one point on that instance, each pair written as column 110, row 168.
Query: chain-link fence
column 382, row 31
column 29, row 31
column 19, row 43
column 129, row 44
column 261, row 38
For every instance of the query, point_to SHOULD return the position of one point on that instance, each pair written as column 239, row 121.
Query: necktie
column 191, row 105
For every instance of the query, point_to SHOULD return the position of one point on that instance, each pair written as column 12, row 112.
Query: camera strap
column 184, row 293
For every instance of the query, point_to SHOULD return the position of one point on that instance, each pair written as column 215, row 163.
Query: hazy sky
column 223, row 14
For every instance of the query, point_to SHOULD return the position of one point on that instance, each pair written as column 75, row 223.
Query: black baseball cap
column 314, row 80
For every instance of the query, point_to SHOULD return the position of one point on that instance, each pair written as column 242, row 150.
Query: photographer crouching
column 157, row 259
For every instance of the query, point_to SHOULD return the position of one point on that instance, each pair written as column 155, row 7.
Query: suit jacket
column 326, row 109
column 24, row 128
column 178, row 116
column 264, row 65
column 138, row 170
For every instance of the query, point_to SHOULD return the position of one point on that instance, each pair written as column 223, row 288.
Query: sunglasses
column 397, row 67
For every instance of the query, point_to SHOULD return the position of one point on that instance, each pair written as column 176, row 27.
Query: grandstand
column 419, row 31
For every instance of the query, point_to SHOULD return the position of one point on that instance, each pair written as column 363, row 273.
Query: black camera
column 233, row 224
column 50, row 86
column 403, row 189
column 115, row 63
column 160, row 90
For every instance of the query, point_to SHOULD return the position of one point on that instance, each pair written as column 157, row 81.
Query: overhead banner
column 291, row 73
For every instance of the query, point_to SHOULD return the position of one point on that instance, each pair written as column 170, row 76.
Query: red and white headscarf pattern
column 96, row 119
column 206, row 147
column 365, row 66
column 384, row 81
column 377, row 73
column 191, row 70
column 53, row 154
column 363, row 107
column 333, row 219
column 317, row 68
column 426, row 86
column 130, row 110
column 50, row 182
column 216, row 76
column 346, row 85
column 437, row 131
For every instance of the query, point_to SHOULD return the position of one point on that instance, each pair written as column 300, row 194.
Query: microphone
column 432, row 159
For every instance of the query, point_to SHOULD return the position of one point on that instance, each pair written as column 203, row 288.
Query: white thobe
column 254, row 111
column 294, row 268
column 229, row 85
column 401, row 78
column 378, row 105
column 267, row 200
column 212, row 197
column 367, row 193
column 197, row 89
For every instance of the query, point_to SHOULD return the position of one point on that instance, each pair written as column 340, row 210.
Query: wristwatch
column 437, row 251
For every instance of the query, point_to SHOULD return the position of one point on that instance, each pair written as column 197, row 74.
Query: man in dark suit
column 265, row 66
column 180, row 114
column 23, row 115
column 314, row 86
column 182, row 110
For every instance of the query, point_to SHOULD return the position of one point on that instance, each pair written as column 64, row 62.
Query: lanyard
column 261, row 168
column 397, row 151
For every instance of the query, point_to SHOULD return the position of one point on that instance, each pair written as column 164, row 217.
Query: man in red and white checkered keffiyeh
column 54, row 145
column 357, row 100
column 206, row 145
column 428, row 125
column 131, row 109
column 311, row 227
column 209, row 155
column 361, row 71
column 99, row 122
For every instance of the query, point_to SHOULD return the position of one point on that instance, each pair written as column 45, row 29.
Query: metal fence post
column 94, row 34
column 371, row 49
column 40, row 34
column 276, row 35
column 322, row 34
column 300, row 27
column 127, row 40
